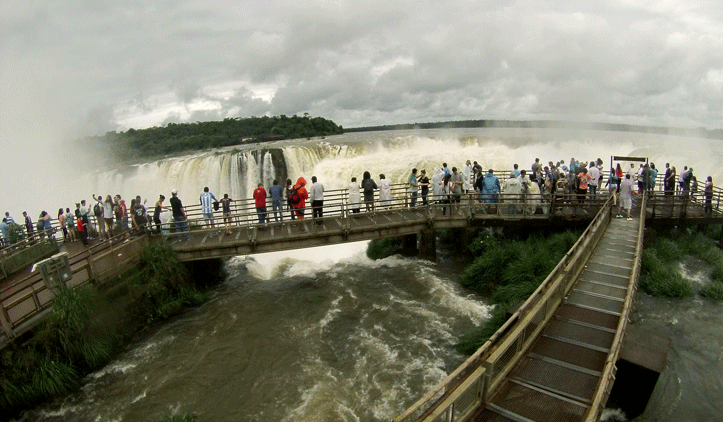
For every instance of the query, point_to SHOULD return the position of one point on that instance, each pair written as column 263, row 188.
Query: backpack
column 97, row 210
column 294, row 197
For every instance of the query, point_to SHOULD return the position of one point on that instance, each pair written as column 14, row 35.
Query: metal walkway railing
column 554, row 359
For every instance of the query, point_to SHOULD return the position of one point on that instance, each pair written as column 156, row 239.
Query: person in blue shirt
column 277, row 197
column 207, row 199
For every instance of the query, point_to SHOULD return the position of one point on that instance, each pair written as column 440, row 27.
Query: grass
column 87, row 328
column 383, row 248
column 660, row 275
column 508, row 272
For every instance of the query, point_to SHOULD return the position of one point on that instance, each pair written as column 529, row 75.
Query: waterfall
column 334, row 161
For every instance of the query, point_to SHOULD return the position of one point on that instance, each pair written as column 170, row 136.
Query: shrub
column 383, row 248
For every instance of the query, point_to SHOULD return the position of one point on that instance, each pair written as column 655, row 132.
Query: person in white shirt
column 316, row 196
column 354, row 196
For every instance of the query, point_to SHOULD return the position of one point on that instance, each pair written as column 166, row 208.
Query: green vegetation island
column 139, row 144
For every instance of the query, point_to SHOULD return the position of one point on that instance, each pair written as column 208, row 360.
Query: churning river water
column 315, row 337
column 326, row 334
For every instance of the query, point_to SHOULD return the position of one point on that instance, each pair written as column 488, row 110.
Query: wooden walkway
column 554, row 359
column 557, row 380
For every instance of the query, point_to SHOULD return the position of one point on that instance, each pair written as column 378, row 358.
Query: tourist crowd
column 578, row 181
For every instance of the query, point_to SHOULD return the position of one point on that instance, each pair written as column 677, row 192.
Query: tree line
column 135, row 144
column 699, row 132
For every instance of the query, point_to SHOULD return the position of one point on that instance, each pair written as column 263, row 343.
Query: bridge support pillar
column 409, row 245
column 468, row 235
column 428, row 245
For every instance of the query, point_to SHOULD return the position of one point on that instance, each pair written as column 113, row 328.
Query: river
column 325, row 334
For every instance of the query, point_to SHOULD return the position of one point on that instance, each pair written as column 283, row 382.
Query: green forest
column 175, row 138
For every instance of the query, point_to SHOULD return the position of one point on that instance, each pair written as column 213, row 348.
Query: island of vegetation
column 174, row 138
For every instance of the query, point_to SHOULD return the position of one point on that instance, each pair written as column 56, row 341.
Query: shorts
column 207, row 216
column 626, row 203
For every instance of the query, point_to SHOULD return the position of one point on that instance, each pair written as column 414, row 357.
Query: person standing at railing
column 626, row 196
column 29, row 229
column 385, row 192
column 179, row 215
column 4, row 231
column 457, row 181
column 9, row 219
column 653, row 176
column 121, row 213
column 354, row 196
column 299, row 195
column 277, row 197
column 63, row 225
column 226, row 209
column 98, row 214
column 424, row 185
column 437, row 185
column 140, row 216
column 45, row 227
column 594, row 174
column 84, row 214
column 368, row 186
column 467, row 174
column 82, row 231
column 582, row 185
column 316, row 195
column 157, row 213
column 207, row 198
column 70, row 223
column 489, row 187
column 666, row 180
column 708, row 192
column 413, row 187
column 287, row 195
column 612, row 185
column 260, row 200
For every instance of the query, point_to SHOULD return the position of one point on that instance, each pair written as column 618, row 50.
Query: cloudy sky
column 70, row 68
column 85, row 67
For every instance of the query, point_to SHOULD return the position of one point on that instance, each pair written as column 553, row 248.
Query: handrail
column 608, row 373
column 430, row 401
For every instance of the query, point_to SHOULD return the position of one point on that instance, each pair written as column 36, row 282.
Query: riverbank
column 89, row 326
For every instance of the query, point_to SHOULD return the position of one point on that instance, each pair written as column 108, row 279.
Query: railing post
column 5, row 320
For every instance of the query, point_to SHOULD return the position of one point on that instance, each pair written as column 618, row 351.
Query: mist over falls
column 237, row 171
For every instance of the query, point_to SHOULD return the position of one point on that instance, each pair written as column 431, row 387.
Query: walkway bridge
column 554, row 360
column 25, row 297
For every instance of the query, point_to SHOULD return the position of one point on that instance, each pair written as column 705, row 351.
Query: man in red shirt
column 260, row 198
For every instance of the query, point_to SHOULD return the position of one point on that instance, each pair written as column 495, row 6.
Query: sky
column 73, row 68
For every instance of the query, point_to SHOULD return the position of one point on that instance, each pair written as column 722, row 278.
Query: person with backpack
column 287, row 195
column 298, row 196
column 98, row 213
column 368, row 186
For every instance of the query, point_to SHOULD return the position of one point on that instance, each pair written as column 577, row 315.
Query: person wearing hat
column 179, row 215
